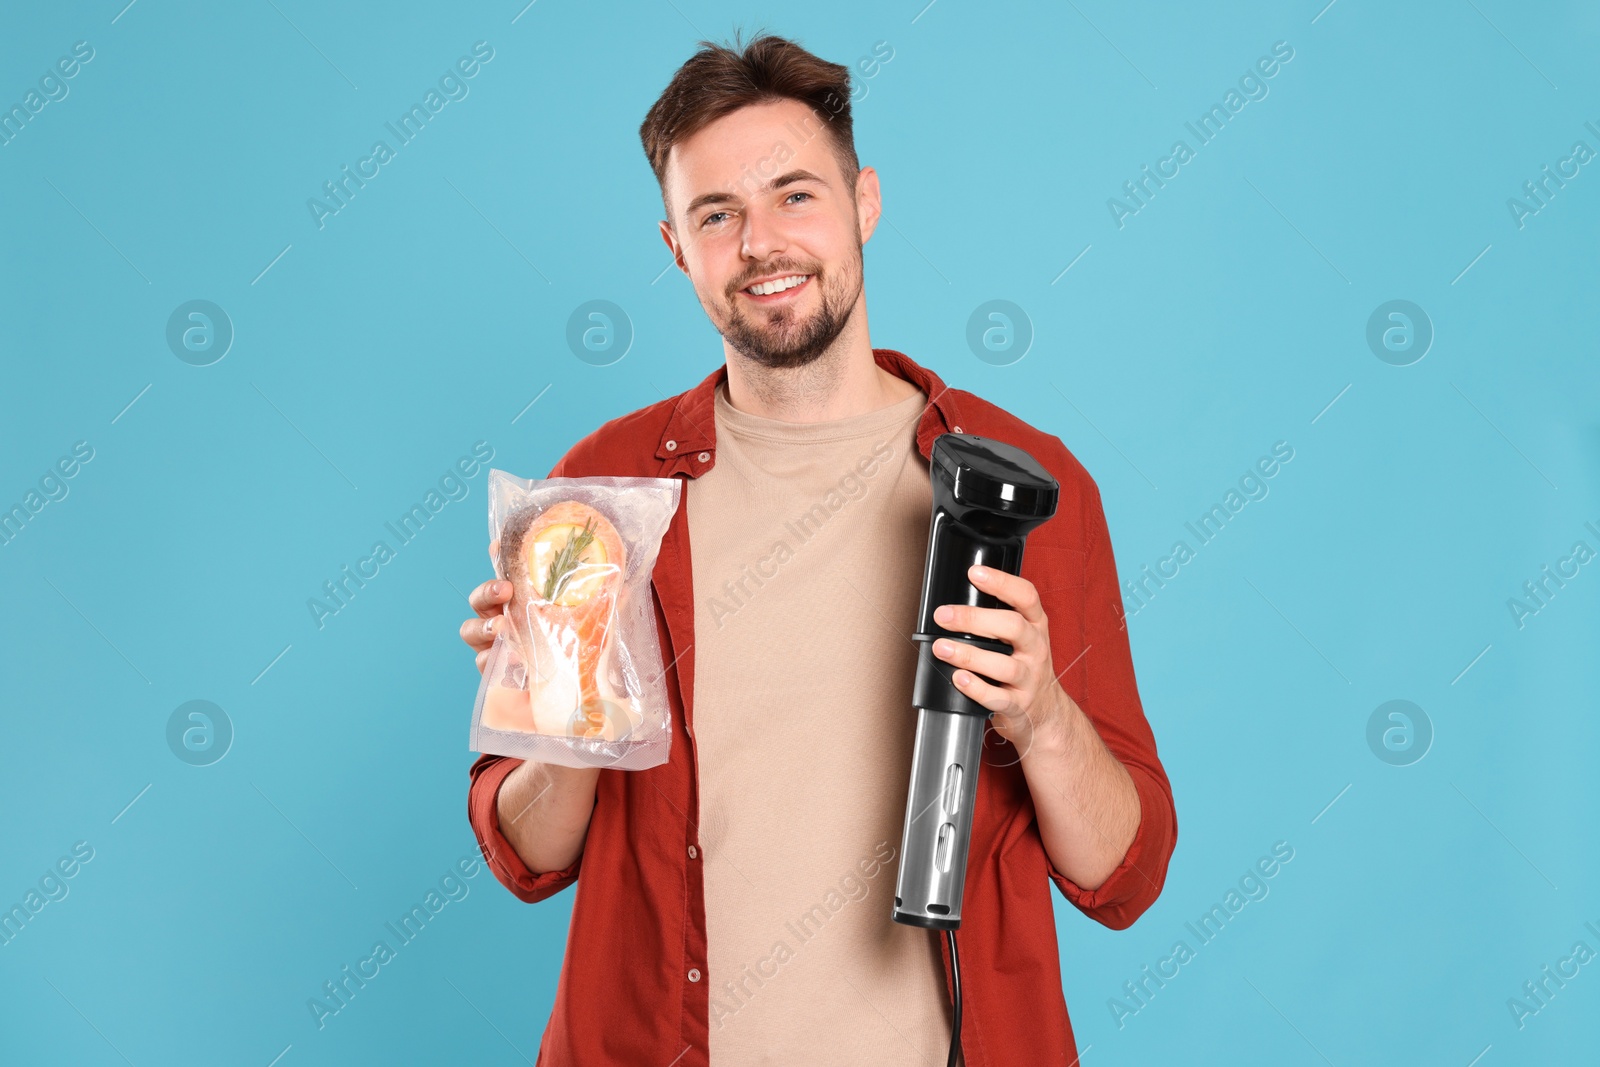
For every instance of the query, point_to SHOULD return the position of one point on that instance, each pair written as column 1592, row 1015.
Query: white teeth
column 768, row 288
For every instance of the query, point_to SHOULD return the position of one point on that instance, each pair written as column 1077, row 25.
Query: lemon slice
column 590, row 567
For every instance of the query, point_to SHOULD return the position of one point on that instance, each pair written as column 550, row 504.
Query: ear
column 869, row 202
column 672, row 242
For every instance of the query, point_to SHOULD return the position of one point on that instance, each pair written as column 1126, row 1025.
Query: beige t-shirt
column 808, row 542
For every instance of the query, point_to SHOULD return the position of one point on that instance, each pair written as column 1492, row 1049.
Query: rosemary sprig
column 567, row 559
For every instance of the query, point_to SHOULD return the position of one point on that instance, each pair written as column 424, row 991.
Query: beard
column 784, row 337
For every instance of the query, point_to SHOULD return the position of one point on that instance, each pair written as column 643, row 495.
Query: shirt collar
column 689, row 442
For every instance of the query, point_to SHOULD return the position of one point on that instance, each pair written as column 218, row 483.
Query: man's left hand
column 1028, row 702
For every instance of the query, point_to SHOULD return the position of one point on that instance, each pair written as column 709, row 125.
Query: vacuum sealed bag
column 575, row 675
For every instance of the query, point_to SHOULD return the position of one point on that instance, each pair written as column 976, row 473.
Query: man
column 735, row 901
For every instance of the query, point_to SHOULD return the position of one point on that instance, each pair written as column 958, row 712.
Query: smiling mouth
column 777, row 289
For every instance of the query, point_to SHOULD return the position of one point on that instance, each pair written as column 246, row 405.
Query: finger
column 479, row 632
column 1003, row 668
column 482, row 659
column 991, row 697
column 1003, row 623
column 488, row 598
column 1013, row 589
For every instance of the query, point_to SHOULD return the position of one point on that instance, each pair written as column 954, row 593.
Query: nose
column 763, row 235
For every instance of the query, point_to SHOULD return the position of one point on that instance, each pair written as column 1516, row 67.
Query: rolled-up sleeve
column 488, row 772
column 1103, row 685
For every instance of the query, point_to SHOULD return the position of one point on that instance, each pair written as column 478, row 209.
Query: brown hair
column 718, row 80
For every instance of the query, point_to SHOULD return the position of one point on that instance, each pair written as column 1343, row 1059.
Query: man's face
column 759, row 197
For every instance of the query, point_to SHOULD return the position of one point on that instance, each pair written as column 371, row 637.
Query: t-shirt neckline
column 746, row 424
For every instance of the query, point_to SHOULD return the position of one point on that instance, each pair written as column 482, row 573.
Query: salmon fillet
column 565, row 564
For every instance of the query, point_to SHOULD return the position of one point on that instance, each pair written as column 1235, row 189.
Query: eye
column 808, row 196
column 709, row 219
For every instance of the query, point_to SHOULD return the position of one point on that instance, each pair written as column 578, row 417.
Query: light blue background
column 1227, row 315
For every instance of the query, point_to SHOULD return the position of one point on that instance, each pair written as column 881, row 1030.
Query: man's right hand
column 560, row 799
column 488, row 601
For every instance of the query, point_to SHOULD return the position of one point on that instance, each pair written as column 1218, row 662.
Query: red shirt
column 633, row 986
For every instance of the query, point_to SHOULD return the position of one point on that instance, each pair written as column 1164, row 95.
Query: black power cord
column 955, row 986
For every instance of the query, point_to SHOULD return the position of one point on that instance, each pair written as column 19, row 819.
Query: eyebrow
column 793, row 176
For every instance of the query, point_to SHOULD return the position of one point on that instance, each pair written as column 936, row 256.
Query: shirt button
column 693, row 852
column 957, row 430
column 694, row 974
column 704, row 456
column 672, row 446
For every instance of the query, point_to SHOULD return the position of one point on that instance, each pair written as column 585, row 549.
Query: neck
column 844, row 381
